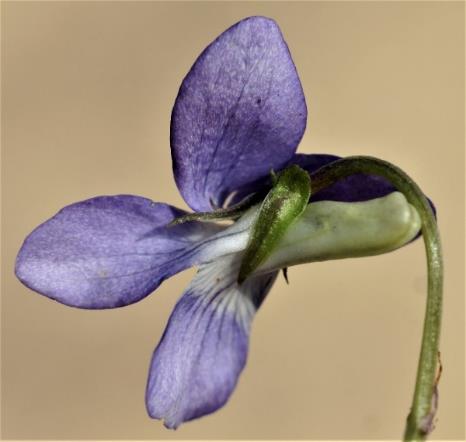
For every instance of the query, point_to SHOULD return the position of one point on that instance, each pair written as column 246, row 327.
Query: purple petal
column 108, row 251
column 240, row 112
column 197, row 363
column 354, row 188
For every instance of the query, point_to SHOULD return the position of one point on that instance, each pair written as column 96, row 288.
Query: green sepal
column 229, row 213
column 282, row 205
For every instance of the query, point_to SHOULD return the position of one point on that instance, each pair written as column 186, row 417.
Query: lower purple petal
column 108, row 251
column 197, row 363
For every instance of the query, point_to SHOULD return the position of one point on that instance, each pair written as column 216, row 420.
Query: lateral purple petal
column 240, row 112
column 108, row 251
column 204, row 348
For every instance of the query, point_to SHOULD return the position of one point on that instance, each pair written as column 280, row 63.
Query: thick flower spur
column 236, row 123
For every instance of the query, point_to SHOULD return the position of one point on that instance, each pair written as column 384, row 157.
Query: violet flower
column 240, row 113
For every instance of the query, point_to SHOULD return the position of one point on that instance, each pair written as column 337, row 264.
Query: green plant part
column 285, row 202
column 328, row 230
column 229, row 213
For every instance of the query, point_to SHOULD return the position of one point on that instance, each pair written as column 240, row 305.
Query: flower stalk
column 420, row 419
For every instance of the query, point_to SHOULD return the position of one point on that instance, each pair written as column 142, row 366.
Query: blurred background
column 86, row 96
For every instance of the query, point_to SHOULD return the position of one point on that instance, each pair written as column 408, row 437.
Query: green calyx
column 285, row 202
column 229, row 213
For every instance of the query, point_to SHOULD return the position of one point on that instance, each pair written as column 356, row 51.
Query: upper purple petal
column 197, row 363
column 357, row 187
column 240, row 112
column 108, row 251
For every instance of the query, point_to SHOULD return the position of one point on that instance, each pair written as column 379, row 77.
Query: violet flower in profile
column 240, row 114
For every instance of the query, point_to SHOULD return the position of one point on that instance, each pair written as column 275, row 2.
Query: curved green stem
column 420, row 419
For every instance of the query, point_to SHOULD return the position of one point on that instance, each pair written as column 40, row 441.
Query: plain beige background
column 87, row 94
